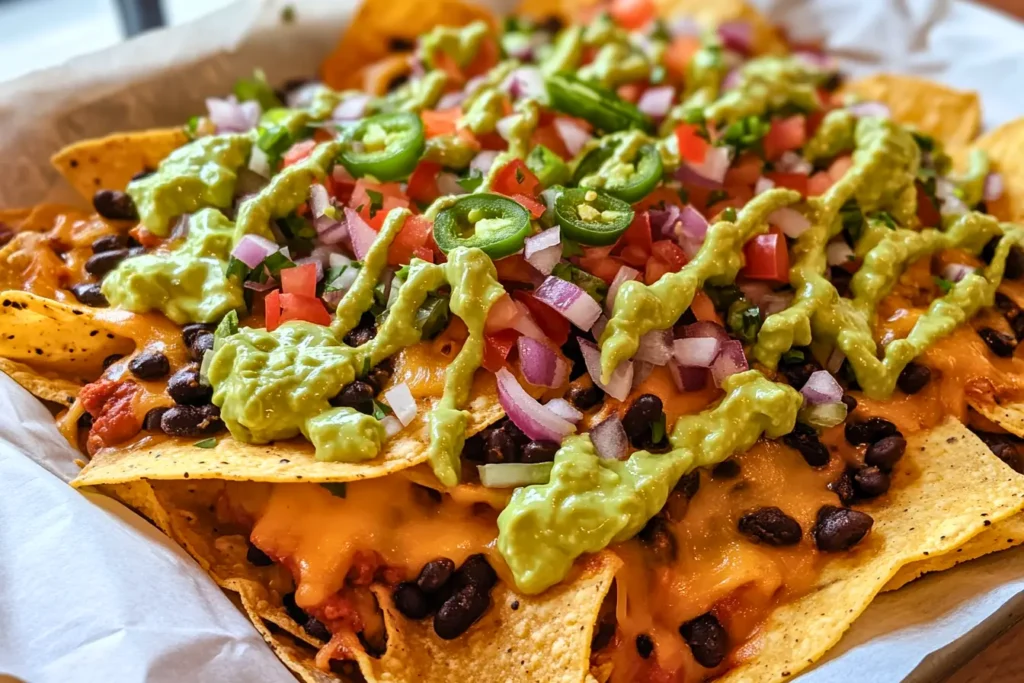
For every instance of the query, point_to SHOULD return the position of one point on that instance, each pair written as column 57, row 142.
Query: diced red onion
column 835, row 360
column 625, row 274
column 536, row 421
column 712, row 170
column 340, row 174
column 270, row 284
column 524, row 82
column 870, row 108
column 451, row 100
column 448, row 184
column 598, row 328
column 541, row 365
column 955, row 272
column 755, row 290
column 252, row 249
column 663, row 221
column 180, row 229
column 792, row 222
column 706, row 328
column 994, row 187
column 822, row 387
column 696, row 352
column 231, row 116
column 392, row 425
column 319, row 200
column 543, row 251
column 838, row 253
column 402, row 403
column 775, row 302
column 504, row 126
column 816, row 59
column 258, row 162
column 609, row 439
column 334, row 232
column 564, row 410
column 572, row 302
column 316, row 262
column 345, row 280
column 655, row 347
column 763, row 185
column 693, row 224
column 736, row 35
column 336, row 260
column 483, row 161
column 573, row 135
column 362, row 235
column 688, row 378
column 953, row 206
column 791, row 162
column 525, row 324
column 510, row 475
column 641, row 371
column 622, row 379
column 688, row 176
column 655, row 102
column 684, row 26
column 351, row 108
column 730, row 360
column 732, row 79
column 302, row 96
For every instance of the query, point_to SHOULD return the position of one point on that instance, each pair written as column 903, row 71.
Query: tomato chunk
column 297, row 152
column 767, row 258
column 411, row 241
column 552, row 323
column 423, row 182
column 785, row 135
column 111, row 405
column 790, row 181
column 515, row 178
column 300, row 280
column 497, row 347
column 374, row 213
column 692, row 147
column 444, row 122
column 535, row 208
column 632, row 14
column 309, row 309
column 272, row 310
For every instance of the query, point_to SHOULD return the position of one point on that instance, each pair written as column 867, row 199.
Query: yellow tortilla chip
column 108, row 163
column 56, row 337
column 766, row 39
column 55, row 389
column 952, row 116
column 13, row 218
column 1003, row 146
column 1007, row 414
column 379, row 26
column 947, row 490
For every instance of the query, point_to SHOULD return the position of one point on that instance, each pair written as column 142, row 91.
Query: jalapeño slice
column 492, row 223
column 386, row 146
column 591, row 217
column 601, row 108
column 646, row 173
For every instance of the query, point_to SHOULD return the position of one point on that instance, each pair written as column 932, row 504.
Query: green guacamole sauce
column 590, row 503
column 768, row 85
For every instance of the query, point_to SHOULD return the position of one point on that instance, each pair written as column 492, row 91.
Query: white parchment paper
column 90, row 592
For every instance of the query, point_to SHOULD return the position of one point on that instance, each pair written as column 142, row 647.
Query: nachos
column 619, row 342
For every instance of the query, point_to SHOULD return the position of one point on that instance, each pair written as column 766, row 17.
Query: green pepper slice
column 386, row 146
column 490, row 222
column 601, row 108
column 647, row 172
column 547, row 166
column 591, row 217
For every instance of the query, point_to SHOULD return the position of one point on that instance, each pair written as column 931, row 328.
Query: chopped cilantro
column 943, row 284
column 884, row 217
column 237, row 269
column 192, row 127
column 925, row 142
column 793, row 357
column 432, row 316
column 206, row 443
column 658, row 429
column 853, row 221
column 376, row 201
column 334, row 273
column 744, row 320
column 472, row 181
column 380, row 410
column 258, row 90
column 571, row 248
column 745, row 134
column 716, row 196
column 729, row 215
column 591, row 284
column 277, row 262
column 274, row 139
column 337, row 488
column 723, row 296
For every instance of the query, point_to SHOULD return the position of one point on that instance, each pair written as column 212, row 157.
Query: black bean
column 257, row 557
column 191, row 421
column 1014, row 264
column 102, row 263
column 111, row 359
column 840, row 279
column 296, row 613
column 689, row 484
column 870, row 482
column 657, row 537
column 357, row 395
column 85, row 422
column 499, row 446
column 797, row 375
column 838, row 529
column 843, row 487
column 869, row 431
column 90, row 294
column 317, row 629
column 364, row 332
column 539, row 451
column 1017, row 324
column 475, row 570
column 645, row 411
column 571, row 350
column 885, row 453
column 151, row 423
column 585, row 398
column 804, row 439
column 1004, row 447
column 460, row 611
column 109, row 243
column 6, row 234
column 149, row 365
column 770, row 525
column 145, row 172
column 474, row 449
column 115, row 205
column 186, row 389
column 193, row 330
column 727, row 469
column 435, row 574
column 604, row 630
column 517, row 435
column 850, row 402
column 202, row 343
column 346, row 668
column 914, row 378
column 378, row 377
column 707, row 638
column 998, row 343
column 410, row 600
column 644, row 646
column 1006, row 305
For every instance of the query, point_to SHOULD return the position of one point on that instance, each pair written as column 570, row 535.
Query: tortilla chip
column 952, row 116
column 51, row 336
column 13, row 218
column 1003, row 146
column 286, row 461
column 948, row 488
column 108, row 163
column 55, row 389
column 379, row 27
column 766, row 39
column 1008, row 415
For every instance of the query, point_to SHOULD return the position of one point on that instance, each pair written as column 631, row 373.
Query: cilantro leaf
column 237, row 269
column 745, row 133
column 571, row 248
column 716, row 196
column 376, row 201
column 258, row 90
column 192, row 127
column 206, row 443
column 658, row 430
column 886, row 218
column 380, row 410
column 943, row 284
column 472, row 181
column 853, row 221
column 591, row 284
column 729, row 215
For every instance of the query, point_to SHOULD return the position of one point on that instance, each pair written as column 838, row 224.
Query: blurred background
column 40, row 33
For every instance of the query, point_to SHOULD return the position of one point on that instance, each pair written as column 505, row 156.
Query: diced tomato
column 745, row 171
column 392, row 197
column 785, row 135
column 655, row 269
column 487, row 58
column 111, row 405
column 839, row 167
column 497, row 347
column 502, row 315
column 423, row 182
column 492, row 142
column 272, row 310
column 927, row 211
column 814, row 120
column 790, row 181
column 444, row 122
column 552, row 323
column 425, row 253
column 445, row 62
column 412, row 237
column 767, row 258
column 547, row 135
column 598, row 262
column 703, row 308
column 634, row 245
column 297, row 152
column 632, row 14
column 515, row 268
column 692, row 147
column 467, row 137
column 300, row 280
column 535, row 208
column 660, row 196
column 679, row 53
column 145, row 237
column 310, row 309
column 515, row 178
column 671, row 253
column 630, row 92
column 819, row 183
